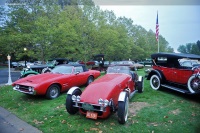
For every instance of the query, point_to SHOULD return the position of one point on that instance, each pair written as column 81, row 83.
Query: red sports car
column 105, row 95
column 60, row 79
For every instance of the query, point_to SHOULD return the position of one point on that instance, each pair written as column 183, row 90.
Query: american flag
column 157, row 28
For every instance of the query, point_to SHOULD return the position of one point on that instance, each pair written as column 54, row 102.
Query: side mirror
column 77, row 73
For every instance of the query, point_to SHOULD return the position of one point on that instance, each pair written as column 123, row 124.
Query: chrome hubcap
column 54, row 92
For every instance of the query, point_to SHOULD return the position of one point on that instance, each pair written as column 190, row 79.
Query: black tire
column 123, row 110
column 140, row 86
column 53, row 91
column 46, row 70
column 193, row 84
column 69, row 103
column 90, row 80
column 155, row 82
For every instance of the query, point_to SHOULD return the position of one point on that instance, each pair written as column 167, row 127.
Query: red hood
column 105, row 87
column 37, row 79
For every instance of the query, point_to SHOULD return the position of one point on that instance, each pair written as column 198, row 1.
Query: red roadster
column 60, row 79
column 105, row 95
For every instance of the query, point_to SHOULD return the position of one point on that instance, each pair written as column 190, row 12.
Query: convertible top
column 175, row 55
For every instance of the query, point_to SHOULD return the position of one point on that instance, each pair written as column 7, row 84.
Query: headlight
column 17, row 86
column 73, row 97
column 100, row 101
column 30, row 88
column 103, row 102
column 106, row 102
column 78, row 98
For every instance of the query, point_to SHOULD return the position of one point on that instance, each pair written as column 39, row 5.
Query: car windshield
column 126, row 62
column 114, row 62
column 189, row 63
column 119, row 69
column 63, row 69
column 51, row 62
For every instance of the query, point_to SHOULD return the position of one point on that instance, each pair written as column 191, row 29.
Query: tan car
column 132, row 65
column 138, row 66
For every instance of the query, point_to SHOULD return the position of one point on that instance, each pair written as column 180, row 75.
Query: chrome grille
column 24, row 88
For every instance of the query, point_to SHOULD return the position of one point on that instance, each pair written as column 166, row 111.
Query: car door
column 178, row 75
column 171, row 69
column 80, row 77
column 183, row 75
column 170, row 73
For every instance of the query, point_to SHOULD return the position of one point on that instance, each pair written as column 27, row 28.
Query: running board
column 175, row 88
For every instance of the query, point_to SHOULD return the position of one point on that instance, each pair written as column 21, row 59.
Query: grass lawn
column 149, row 112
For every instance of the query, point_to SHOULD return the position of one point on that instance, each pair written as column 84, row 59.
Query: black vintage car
column 98, row 63
column 37, row 69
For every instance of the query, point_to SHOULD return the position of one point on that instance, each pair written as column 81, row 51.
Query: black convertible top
column 175, row 55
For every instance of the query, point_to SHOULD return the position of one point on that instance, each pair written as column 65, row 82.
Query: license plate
column 91, row 115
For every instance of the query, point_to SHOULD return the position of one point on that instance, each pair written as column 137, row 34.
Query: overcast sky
column 179, row 20
column 178, row 24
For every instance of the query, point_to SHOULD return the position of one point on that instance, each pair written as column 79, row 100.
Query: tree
column 182, row 49
column 198, row 44
column 74, row 29
column 190, row 48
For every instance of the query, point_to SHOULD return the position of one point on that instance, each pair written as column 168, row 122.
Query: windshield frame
column 63, row 69
column 118, row 69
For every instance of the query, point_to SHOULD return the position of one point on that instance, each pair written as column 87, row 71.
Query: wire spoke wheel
column 194, row 84
column 155, row 82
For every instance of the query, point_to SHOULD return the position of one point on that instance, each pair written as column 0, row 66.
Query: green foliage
column 190, row 48
column 73, row 29
column 157, row 111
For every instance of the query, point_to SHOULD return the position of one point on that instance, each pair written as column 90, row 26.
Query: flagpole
column 158, row 45
column 157, row 31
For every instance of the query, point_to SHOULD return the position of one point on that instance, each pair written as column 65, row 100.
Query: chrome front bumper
column 24, row 90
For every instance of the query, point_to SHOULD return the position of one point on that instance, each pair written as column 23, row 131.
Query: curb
column 2, row 84
column 10, row 123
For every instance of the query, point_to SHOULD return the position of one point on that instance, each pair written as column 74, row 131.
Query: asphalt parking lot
column 9, row 123
column 4, row 75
